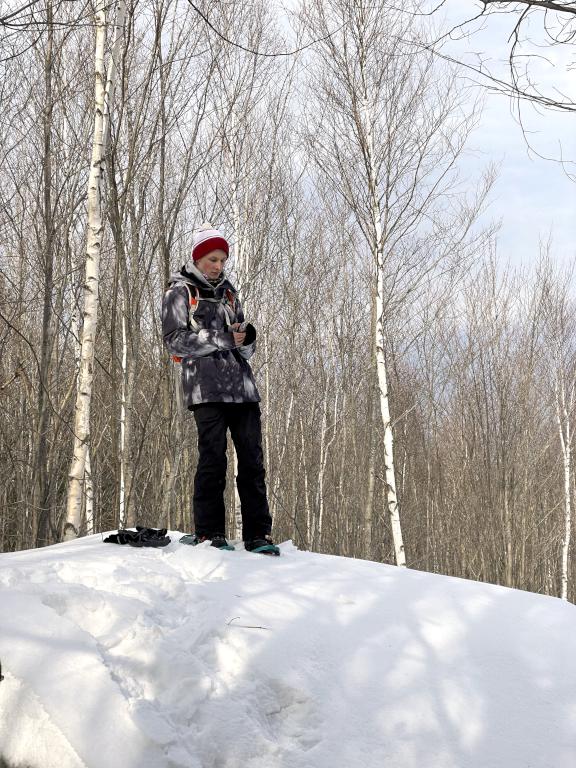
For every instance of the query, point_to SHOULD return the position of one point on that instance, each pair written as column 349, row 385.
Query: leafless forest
column 331, row 154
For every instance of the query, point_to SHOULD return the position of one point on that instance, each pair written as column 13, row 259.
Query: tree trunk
column 103, row 97
column 371, row 471
column 89, row 497
column 379, row 341
column 509, row 553
column 564, row 430
column 127, row 458
column 307, row 506
column 241, row 275
column 275, row 485
column 391, row 497
column 325, row 444
column 40, row 498
column 122, row 444
column 389, row 474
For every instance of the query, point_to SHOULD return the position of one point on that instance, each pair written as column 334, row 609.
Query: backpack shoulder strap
column 193, row 299
column 229, row 304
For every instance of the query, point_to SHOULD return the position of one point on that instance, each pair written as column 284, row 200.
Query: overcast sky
column 532, row 197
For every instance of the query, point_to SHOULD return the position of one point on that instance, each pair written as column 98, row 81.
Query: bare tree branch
column 548, row 4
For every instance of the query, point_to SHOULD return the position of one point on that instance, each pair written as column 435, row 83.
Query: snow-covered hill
column 187, row 657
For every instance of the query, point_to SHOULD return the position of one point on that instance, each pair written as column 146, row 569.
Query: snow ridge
column 189, row 657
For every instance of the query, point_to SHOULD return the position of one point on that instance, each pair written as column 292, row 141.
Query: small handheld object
column 250, row 332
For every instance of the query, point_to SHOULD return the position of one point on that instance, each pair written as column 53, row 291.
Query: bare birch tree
column 559, row 358
column 382, row 139
column 103, row 103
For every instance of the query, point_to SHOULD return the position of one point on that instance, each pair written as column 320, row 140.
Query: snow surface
column 188, row 657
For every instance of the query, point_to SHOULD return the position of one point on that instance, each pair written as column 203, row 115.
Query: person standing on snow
column 203, row 327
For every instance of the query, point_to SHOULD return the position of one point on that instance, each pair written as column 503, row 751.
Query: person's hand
column 239, row 336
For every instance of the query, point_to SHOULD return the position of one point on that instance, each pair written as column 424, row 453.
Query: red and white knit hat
column 206, row 239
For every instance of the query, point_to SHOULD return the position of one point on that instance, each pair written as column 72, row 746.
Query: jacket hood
column 193, row 276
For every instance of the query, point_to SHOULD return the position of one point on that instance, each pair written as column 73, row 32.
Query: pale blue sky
column 532, row 197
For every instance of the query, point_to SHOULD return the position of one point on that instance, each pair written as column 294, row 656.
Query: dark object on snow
column 141, row 537
column 1, row 675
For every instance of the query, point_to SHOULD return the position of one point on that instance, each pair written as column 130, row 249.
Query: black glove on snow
column 141, row 537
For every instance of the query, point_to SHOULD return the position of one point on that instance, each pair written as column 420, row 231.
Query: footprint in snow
column 290, row 714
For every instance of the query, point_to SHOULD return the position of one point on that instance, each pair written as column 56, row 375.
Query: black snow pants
column 213, row 421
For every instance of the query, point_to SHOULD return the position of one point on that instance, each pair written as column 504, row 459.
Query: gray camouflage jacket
column 214, row 370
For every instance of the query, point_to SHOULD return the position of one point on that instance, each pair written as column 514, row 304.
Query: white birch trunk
column 103, row 97
column 237, row 502
column 317, row 536
column 389, row 473
column 391, row 496
column 325, row 445
column 282, row 452
column 239, row 248
column 564, row 431
column 307, row 505
column 122, row 447
column 242, row 268
column 267, row 402
column 94, row 237
column 172, row 467
column 369, row 501
column 113, row 67
column 567, row 519
column 89, row 496
column 88, row 493
column 370, row 490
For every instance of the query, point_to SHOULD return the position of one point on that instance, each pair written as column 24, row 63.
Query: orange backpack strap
column 229, row 302
column 193, row 300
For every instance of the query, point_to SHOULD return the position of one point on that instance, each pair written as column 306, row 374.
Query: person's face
column 212, row 264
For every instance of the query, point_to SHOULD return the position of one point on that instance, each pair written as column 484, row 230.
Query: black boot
column 262, row 544
column 217, row 540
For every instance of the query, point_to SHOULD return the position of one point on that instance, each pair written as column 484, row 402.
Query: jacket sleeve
column 179, row 338
column 246, row 350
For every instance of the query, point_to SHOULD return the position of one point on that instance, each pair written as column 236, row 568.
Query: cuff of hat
column 205, row 247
